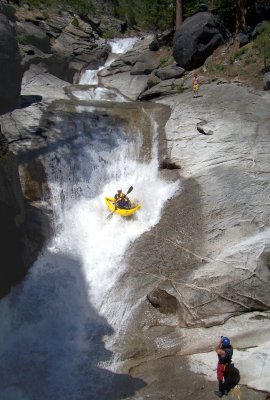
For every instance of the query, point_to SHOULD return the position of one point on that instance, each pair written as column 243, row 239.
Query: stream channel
column 59, row 326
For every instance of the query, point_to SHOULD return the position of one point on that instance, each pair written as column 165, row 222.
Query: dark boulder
column 196, row 40
column 10, row 68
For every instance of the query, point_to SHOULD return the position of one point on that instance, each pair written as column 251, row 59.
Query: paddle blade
column 130, row 189
column 110, row 215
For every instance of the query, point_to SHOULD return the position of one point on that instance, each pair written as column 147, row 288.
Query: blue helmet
column 225, row 341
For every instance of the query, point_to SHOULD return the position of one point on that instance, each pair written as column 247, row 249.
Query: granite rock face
column 232, row 171
column 10, row 68
column 210, row 249
column 25, row 220
column 64, row 44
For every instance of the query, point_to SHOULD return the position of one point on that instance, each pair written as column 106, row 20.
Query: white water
column 98, row 93
column 53, row 324
column 119, row 46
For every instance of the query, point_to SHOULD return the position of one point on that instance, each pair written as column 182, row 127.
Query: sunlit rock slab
column 250, row 338
column 130, row 86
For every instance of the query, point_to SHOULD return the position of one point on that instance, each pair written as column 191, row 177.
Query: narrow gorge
column 97, row 308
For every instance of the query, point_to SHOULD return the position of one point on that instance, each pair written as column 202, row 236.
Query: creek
column 59, row 325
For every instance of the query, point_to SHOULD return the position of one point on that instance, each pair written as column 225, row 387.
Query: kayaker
column 224, row 351
column 121, row 200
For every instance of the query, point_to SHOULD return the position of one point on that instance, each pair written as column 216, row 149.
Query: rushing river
column 54, row 325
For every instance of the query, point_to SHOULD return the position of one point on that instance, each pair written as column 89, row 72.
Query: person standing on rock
column 224, row 351
column 195, row 85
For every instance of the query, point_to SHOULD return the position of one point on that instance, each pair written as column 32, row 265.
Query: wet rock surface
column 25, row 219
column 210, row 248
column 206, row 264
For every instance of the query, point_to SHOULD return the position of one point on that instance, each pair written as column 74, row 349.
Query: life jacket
column 227, row 359
column 121, row 198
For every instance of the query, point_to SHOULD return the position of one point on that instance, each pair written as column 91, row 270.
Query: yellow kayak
column 110, row 202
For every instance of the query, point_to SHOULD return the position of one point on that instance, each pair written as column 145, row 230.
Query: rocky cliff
column 10, row 68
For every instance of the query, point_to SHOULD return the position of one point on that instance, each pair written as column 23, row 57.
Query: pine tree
column 241, row 14
column 178, row 14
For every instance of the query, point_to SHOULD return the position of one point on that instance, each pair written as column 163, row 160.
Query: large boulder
column 196, row 40
column 170, row 72
column 161, row 89
column 10, row 68
column 145, row 64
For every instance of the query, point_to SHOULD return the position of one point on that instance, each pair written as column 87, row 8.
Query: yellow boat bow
column 124, row 212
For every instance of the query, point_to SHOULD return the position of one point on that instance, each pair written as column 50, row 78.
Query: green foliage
column 262, row 44
column 237, row 55
column 216, row 67
column 159, row 15
column 167, row 60
column 219, row 67
column 224, row 8
column 191, row 6
column 80, row 7
column 226, row 11
column 110, row 34
column 21, row 39
column 75, row 22
column 147, row 14
column 180, row 88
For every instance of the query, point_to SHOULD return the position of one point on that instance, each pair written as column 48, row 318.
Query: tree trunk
column 241, row 14
column 178, row 14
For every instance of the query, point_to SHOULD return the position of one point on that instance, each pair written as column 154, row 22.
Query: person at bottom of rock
column 224, row 351
column 195, row 85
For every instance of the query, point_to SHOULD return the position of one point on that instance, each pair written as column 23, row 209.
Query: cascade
column 53, row 324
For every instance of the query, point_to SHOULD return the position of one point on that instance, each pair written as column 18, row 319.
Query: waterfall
column 53, row 324
column 119, row 46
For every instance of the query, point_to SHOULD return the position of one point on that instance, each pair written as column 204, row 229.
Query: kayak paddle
column 111, row 214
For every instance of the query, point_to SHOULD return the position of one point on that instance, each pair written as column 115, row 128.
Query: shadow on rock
column 27, row 100
column 54, row 338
